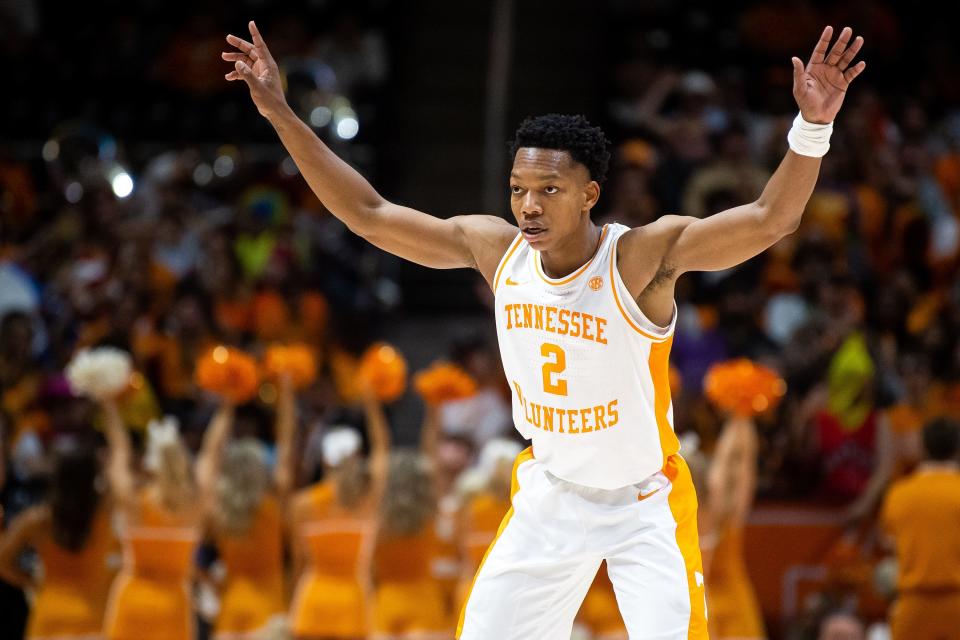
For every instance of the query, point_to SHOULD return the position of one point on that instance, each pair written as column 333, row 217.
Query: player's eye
column 515, row 190
column 552, row 189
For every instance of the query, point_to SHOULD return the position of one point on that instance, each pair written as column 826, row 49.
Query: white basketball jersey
column 588, row 371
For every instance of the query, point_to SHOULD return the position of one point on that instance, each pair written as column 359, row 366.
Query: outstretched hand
column 254, row 64
column 820, row 87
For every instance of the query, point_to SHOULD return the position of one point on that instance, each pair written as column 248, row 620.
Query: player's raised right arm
column 463, row 241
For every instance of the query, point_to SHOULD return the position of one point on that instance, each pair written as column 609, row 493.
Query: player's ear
column 591, row 193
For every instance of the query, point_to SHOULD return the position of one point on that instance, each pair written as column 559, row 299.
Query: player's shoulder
column 488, row 238
column 652, row 241
column 493, row 229
column 663, row 229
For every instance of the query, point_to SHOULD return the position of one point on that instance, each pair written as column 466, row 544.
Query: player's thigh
column 536, row 573
column 658, row 577
column 514, row 597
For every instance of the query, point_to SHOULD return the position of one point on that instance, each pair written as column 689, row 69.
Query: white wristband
column 808, row 139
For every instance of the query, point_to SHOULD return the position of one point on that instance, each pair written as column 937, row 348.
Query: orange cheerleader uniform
column 73, row 597
column 150, row 599
column 445, row 565
column 330, row 598
column 481, row 520
column 408, row 599
column 253, row 591
column 731, row 601
column 600, row 612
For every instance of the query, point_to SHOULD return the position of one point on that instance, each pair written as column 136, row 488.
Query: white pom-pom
column 99, row 373
column 339, row 444
column 471, row 482
column 160, row 434
column 689, row 443
column 496, row 451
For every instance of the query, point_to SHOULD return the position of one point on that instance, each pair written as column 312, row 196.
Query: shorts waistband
column 624, row 495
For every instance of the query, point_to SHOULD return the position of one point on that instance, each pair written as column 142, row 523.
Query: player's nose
column 530, row 205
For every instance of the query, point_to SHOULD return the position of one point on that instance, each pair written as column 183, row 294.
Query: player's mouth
column 532, row 232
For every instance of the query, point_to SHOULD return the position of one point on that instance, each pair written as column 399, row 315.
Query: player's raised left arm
column 730, row 237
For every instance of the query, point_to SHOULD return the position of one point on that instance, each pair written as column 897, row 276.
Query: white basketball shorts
column 538, row 569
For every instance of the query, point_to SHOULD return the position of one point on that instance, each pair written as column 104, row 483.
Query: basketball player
column 585, row 318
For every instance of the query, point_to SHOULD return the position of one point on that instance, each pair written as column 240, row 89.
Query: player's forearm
column 341, row 189
column 787, row 192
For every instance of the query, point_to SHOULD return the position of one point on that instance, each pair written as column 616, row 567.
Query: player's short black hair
column 941, row 439
column 585, row 143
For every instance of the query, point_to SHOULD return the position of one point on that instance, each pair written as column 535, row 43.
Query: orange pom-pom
column 743, row 387
column 229, row 373
column 444, row 382
column 385, row 370
column 296, row 360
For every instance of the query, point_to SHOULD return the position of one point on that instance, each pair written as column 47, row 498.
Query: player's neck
column 579, row 248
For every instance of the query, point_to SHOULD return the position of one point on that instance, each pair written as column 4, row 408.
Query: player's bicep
column 720, row 241
column 466, row 241
column 419, row 237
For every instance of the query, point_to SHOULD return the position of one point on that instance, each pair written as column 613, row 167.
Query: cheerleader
column 73, row 539
column 159, row 526
column 247, row 527
column 332, row 531
column 409, row 599
column 731, row 485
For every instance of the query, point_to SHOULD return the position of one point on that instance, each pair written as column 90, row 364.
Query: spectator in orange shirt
column 921, row 514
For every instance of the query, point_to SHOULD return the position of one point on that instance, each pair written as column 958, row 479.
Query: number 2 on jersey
column 556, row 363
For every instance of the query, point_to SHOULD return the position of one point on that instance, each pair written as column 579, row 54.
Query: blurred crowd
column 859, row 309
column 858, row 312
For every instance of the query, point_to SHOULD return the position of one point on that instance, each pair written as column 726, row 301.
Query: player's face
column 550, row 195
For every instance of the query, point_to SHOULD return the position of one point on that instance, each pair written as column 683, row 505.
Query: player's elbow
column 780, row 232
column 777, row 223
column 369, row 223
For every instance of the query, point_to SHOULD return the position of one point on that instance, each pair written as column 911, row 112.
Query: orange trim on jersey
column 683, row 507
column 623, row 312
column 505, row 260
column 526, row 454
column 659, row 363
column 572, row 276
